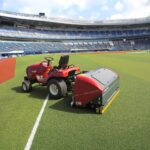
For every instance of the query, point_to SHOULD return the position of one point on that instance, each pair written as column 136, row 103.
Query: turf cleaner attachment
column 96, row 89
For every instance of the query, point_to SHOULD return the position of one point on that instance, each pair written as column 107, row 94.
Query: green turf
column 125, row 125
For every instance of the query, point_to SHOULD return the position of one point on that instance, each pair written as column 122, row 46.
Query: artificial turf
column 125, row 125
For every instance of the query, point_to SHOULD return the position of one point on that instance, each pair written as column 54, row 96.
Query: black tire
column 26, row 86
column 57, row 88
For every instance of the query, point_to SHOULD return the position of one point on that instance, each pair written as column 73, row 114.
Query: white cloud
column 46, row 4
column 119, row 6
column 117, row 16
column 105, row 8
column 134, row 9
column 138, row 8
column 63, row 8
column 93, row 9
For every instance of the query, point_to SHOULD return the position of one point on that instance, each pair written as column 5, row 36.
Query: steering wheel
column 49, row 59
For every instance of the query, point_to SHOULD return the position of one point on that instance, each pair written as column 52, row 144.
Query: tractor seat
column 63, row 62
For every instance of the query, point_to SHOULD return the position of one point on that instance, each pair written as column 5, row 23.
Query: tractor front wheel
column 57, row 88
column 26, row 86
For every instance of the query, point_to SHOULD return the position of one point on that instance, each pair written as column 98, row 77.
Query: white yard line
column 136, row 52
column 33, row 132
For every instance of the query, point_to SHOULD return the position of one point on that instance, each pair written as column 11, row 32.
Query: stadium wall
column 7, row 69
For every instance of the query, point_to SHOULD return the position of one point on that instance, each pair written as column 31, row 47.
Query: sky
column 81, row 9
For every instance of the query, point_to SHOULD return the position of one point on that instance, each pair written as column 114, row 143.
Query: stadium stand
column 33, row 34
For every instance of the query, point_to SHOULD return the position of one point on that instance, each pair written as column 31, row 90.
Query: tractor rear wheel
column 57, row 88
column 26, row 86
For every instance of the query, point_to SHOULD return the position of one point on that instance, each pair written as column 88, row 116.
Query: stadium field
column 124, row 126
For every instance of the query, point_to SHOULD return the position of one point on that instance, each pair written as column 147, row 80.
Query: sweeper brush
column 95, row 88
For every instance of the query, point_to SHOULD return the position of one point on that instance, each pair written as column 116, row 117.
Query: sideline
column 34, row 129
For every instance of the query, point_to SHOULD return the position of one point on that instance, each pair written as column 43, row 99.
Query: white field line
column 141, row 52
column 33, row 132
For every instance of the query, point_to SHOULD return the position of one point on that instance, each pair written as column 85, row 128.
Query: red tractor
column 58, row 79
column 95, row 88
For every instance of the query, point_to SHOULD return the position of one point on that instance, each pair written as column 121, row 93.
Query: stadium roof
column 46, row 19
